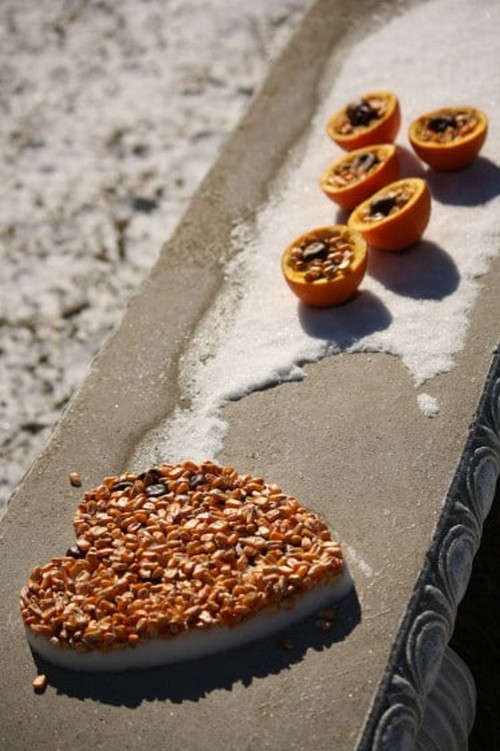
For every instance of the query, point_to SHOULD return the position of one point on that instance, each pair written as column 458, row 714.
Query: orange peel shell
column 455, row 154
column 326, row 293
column 353, row 193
column 400, row 229
column 381, row 130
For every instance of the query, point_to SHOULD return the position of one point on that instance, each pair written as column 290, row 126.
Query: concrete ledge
column 406, row 495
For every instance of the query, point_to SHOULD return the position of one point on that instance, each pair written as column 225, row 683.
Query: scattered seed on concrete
column 324, row 624
column 39, row 683
column 75, row 479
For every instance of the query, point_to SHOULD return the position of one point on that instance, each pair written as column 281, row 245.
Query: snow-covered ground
column 110, row 115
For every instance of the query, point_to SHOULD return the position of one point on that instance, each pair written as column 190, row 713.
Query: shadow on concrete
column 410, row 164
column 345, row 324
column 191, row 681
column 423, row 272
column 472, row 186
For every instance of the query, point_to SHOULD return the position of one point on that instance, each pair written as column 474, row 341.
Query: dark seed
column 156, row 491
column 74, row 552
column 122, row 485
column 383, row 205
column 360, row 113
column 365, row 162
column 315, row 250
column 75, row 479
column 440, row 123
column 196, row 480
column 150, row 477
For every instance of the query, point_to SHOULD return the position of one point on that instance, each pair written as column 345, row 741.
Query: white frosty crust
column 195, row 644
column 178, row 562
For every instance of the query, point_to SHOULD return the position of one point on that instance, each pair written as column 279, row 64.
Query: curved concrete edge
column 450, row 709
column 416, row 681
column 114, row 410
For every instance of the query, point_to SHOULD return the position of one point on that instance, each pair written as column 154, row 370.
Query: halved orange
column 374, row 118
column 324, row 266
column 449, row 138
column 360, row 173
column 394, row 217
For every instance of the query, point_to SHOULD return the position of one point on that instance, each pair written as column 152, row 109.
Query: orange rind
column 373, row 118
column 360, row 173
column 449, row 138
column 325, row 266
column 396, row 216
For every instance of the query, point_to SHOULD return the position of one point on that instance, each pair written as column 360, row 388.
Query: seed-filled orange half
column 325, row 266
column 360, row 173
column 394, row 217
column 449, row 138
column 374, row 118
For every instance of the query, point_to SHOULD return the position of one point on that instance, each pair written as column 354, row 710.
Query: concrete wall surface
column 405, row 493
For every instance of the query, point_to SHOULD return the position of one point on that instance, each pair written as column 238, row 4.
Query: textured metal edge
column 399, row 708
